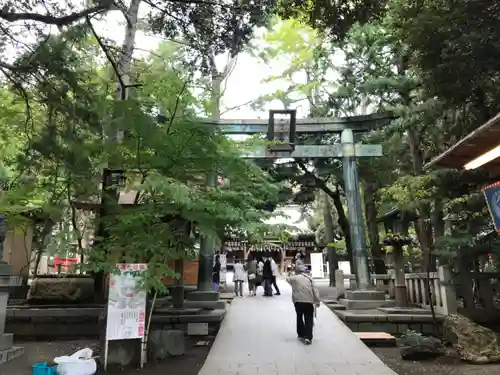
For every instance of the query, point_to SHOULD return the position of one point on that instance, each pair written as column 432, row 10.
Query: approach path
column 258, row 336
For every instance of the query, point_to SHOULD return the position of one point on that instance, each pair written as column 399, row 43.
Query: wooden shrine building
column 283, row 253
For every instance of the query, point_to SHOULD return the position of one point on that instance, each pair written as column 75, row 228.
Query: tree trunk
column 414, row 142
column 437, row 220
column 41, row 244
column 400, row 284
column 373, row 235
column 326, row 209
column 110, row 194
column 178, row 287
column 342, row 220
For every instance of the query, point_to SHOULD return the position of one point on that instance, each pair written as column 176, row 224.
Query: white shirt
column 260, row 268
column 274, row 267
column 239, row 272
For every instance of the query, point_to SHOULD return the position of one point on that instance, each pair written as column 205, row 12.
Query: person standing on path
column 252, row 274
column 267, row 275
column 274, row 269
column 260, row 270
column 216, row 274
column 299, row 260
column 238, row 278
column 305, row 297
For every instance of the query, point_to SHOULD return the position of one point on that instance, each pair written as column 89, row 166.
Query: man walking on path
column 238, row 278
column 305, row 297
column 274, row 269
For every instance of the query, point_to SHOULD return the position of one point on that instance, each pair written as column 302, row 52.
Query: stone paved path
column 258, row 337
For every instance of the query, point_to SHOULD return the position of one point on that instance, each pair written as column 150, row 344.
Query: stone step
column 175, row 311
column 404, row 310
column 365, row 304
column 376, row 338
column 335, row 306
column 213, row 305
column 6, row 341
column 203, row 296
column 329, row 301
column 365, row 295
column 10, row 354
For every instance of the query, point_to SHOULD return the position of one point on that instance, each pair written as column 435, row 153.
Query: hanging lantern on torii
column 281, row 130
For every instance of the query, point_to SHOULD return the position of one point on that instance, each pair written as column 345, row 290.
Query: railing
column 6, row 281
column 416, row 290
column 442, row 292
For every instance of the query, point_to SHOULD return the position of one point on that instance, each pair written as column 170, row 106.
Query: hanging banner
column 492, row 196
column 223, row 268
column 317, row 265
column 126, row 303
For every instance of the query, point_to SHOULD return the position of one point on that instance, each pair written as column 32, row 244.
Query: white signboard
column 126, row 303
column 197, row 329
column 317, row 265
column 223, row 268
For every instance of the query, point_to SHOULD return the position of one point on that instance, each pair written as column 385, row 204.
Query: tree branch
column 109, row 57
column 104, row 5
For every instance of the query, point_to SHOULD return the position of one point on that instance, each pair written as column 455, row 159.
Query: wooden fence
column 443, row 294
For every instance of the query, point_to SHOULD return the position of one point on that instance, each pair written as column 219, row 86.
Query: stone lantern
column 7, row 351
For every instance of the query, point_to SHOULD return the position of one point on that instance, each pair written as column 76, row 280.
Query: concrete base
column 365, row 295
column 404, row 310
column 227, row 296
column 211, row 305
column 58, row 323
column 203, row 296
column 6, row 341
column 10, row 354
column 365, row 300
column 5, row 269
column 174, row 311
column 398, row 324
column 334, row 305
column 365, row 304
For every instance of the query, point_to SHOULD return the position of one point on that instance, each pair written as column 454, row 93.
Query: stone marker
column 8, row 352
column 339, row 283
column 166, row 343
column 52, row 290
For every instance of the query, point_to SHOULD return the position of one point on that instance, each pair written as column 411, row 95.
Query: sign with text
column 492, row 196
column 223, row 268
column 126, row 303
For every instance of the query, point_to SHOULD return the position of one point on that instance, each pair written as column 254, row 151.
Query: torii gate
column 283, row 131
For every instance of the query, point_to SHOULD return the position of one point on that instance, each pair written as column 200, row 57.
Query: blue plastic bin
column 42, row 369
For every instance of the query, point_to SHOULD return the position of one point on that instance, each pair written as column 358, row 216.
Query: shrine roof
column 476, row 143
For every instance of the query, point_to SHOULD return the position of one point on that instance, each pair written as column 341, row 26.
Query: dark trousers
column 276, row 285
column 305, row 319
column 268, row 290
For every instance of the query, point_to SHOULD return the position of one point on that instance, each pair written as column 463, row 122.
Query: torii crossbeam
column 283, row 133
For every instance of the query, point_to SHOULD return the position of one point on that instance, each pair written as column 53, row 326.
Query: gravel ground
column 35, row 352
column 448, row 365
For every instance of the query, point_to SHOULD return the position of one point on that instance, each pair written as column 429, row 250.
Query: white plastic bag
column 79, row 363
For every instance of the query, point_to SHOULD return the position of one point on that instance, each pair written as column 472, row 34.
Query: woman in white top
column 260, row 272
column 238, row 278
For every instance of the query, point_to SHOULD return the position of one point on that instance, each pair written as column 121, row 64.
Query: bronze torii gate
column 283, row 132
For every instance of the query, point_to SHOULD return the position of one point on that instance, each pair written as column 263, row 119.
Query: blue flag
column 492, row 196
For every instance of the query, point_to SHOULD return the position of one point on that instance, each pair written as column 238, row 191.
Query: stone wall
column 32, row 323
